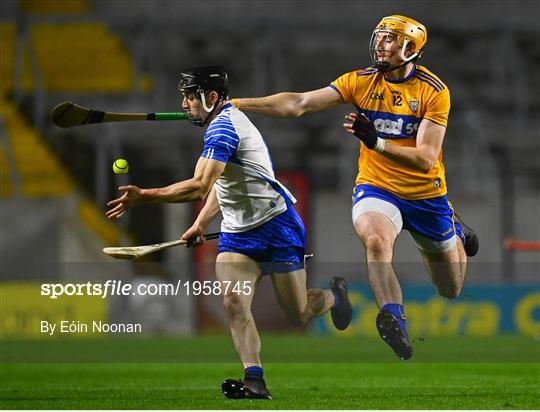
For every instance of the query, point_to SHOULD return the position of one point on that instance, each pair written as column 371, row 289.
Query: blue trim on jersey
column 404, row 79
column 432, row 217
column 367, row 72
column 278, row 246
column 220, row 139
column 398, row 122
column 437, row 89
column 432, row 77
column 335, row 88
column 222, row 125
column 218, row 151
column 221, row 118
column 428, row 80
column 268, row 153
column 224, row 140
column 221, row 131
column 275, row 185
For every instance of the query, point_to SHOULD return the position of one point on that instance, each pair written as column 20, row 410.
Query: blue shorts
column 278, row 246
column 432, row 218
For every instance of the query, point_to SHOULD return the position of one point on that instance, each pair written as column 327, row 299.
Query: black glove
column 365, row 130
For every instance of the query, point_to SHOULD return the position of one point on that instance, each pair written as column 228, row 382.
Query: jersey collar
column 225, row 106
column 405, row 78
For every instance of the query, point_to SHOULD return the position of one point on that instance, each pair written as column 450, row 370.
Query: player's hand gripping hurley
column 134, row 252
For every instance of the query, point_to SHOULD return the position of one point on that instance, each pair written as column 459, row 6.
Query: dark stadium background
column 126, row 56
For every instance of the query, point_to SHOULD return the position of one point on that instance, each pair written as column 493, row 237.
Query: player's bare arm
column 289, row 104
column 429, row 141
column 206, row 215
column 206, row 173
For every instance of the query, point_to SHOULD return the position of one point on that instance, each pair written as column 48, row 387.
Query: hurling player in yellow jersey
column 402, row 114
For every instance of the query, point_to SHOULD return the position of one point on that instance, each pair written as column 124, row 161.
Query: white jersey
column 247, row 190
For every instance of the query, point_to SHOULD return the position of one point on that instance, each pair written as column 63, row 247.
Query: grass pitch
column 302, row 372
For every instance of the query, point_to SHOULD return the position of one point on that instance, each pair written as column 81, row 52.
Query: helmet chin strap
column 198, row 121
column 207, row 109
column 384, row 67
column 402, row 53
column 203, row 101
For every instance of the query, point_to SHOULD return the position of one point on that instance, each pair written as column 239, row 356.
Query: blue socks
column 399, row 312
column 253, row 372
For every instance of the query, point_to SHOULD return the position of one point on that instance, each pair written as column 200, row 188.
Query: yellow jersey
column 396, row 108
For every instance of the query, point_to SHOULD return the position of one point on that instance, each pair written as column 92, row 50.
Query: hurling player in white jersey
column 261, row 232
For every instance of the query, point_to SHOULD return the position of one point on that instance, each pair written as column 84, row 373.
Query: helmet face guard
column 194, row 118
column 404, row 31
column 199, row 81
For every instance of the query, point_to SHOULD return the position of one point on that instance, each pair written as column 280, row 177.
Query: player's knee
column 234, row 307
column 377, row 244
column 449, row 291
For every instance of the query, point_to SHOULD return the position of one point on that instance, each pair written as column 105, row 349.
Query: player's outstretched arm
column 198, row 187
column 206, row 173
column 290, row 104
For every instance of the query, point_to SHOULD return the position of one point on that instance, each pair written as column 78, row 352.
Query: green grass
column 493, row 373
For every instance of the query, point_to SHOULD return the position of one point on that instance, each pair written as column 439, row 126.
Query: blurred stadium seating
column 41, row 172
column 91, row 59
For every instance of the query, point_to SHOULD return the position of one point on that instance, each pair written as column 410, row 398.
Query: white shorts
column 391, row 211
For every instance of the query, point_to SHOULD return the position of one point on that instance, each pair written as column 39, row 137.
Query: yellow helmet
column 407, row 31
